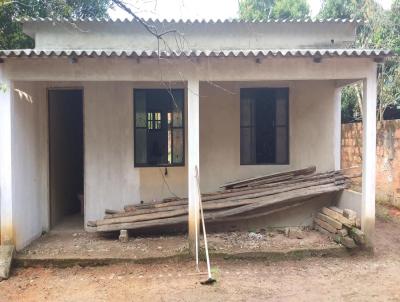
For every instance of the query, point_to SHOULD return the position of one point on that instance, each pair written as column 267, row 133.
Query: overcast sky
column 196, row 9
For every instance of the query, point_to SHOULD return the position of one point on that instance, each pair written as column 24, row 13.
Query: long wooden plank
column 242, row 194
column 283, row 197
column 173, row 211
column 235, row 192
column 213, row 217
column 143, row 217
column 227, row 202
column 307, row 170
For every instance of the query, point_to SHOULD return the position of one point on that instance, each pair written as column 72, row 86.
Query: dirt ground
column 82, row 245
column 356, row 278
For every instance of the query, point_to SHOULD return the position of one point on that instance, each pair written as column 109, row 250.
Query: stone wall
column 388, row 157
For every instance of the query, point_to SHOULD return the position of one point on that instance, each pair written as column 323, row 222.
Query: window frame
column 183, row 127
column 287, row 162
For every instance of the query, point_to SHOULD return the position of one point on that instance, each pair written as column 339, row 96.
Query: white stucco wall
column 112, row 181
column 199, row 36
column 29, row 167
column 311, row 137
column 110, row 178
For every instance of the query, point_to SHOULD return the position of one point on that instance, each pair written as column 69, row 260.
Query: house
column 105, row 109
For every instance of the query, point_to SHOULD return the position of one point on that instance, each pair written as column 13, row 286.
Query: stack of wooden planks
column 243, row 199
column 343, row 225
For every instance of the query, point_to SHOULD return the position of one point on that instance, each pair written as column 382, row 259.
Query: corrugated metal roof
column 187, row 21
column 34, row 53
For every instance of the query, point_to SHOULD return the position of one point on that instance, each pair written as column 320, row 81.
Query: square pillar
column 6, row 112
column 369, row 156
column 337, row 131
column 193, row 162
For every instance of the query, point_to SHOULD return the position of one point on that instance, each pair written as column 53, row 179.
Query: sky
column 195, row 9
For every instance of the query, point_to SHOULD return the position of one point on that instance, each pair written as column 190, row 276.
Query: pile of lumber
column 242, row 199
column 343, row 225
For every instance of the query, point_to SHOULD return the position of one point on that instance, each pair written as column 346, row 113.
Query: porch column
column 193, row 161
column 338, row 128
column 6, row 208
column 369, row 156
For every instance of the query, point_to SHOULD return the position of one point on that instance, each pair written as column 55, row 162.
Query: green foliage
column 344, row 9
column 273, row 9
column 11, row 35
column 350, row 109
column 382, row 30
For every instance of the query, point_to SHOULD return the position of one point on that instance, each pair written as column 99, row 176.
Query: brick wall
column 388, row 157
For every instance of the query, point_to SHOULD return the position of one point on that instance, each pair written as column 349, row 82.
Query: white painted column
column 193, row 161
column 337, row 135
column 6, row 207
column 369, row 156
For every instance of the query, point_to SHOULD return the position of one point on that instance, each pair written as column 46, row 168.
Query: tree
column 11, row 35
column 382, row 30
column 273, row 9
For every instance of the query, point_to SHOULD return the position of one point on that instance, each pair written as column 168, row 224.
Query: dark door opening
column 66, row 156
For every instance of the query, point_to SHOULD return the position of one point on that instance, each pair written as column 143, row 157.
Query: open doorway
column 66, row 158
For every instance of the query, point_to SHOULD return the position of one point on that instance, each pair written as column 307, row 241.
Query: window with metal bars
column 264, row 126
column 159, row 127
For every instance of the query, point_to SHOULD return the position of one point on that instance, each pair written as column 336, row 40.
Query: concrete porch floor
column 71, row 247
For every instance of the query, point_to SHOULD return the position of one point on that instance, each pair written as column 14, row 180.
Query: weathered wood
column 209, row 217
column 337, row 217
column 143, row 224
column 336, row 209
column 325, row 225
column 277, row 198
column 350, row 215
column 258, row 197
column 144, row 217
column 334, row 223
column 262, row 213
column 295, row 179
column 308, row 170
column 246, row 195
